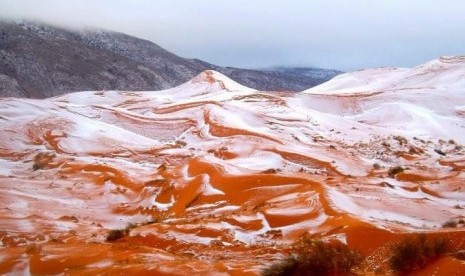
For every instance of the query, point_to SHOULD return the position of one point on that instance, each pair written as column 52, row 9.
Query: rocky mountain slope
column 40, row 61
column 212, row 177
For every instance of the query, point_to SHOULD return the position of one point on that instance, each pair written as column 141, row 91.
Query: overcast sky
column 338, row 34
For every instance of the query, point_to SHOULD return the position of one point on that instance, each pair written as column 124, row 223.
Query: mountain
column 213, row 177
column 316, row 73
column 40, row 61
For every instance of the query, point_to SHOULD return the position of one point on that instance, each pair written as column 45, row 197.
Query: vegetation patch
column 271, row 171
column 41, row 160
column 449, row 224
column 36, row 166
column 402, row 140
column 285, row 267
column 315, row 257
column 414, row 252
column 415, row 150
column 395, row 170
column 116, row 234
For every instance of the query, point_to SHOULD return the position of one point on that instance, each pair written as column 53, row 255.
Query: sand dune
column 214, row 177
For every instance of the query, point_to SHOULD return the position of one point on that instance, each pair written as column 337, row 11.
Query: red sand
column 192, row 212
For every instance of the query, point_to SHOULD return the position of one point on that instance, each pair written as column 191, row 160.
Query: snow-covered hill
column 445, row 72
column 425, row 100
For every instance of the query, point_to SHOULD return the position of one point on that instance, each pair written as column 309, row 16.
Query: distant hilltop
column 40, row 61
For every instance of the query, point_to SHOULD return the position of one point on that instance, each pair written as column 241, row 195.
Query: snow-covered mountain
column 39, row 61
column 317, row 73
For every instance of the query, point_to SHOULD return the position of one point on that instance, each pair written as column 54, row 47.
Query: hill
column 40, row 61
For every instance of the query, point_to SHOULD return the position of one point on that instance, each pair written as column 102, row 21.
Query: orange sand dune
column 213, row 178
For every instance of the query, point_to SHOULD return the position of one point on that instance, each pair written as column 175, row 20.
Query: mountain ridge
column 40, row 61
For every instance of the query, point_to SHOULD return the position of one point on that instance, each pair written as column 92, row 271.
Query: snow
column 217, row 77
column 292, row 211
column 413, row 118
column 6, row 167
column 359, row 82
column 259, row 161
column 162, row 206
column 208, row 188
column 229, row 208
column 426, row 100
column 446, row 72
column 249, row 237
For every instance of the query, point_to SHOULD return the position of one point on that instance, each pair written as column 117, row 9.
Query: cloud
column 338, row 34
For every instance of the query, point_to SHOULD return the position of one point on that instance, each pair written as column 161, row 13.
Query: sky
column 339, row 34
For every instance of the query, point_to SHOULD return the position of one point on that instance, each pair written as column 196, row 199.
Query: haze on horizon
column 339, row 34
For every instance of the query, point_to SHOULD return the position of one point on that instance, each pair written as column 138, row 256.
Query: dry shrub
column 440, row 152
column 415, row 252
column 449, row 224
column 401, row 140
column 395, row 170
column 315, row 257
column 117, row 234
column 42, row 160
column 415, row 150
column 283, row 267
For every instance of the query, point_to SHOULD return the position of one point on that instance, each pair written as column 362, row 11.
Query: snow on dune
column 444, row 72
column 212, row 163
column 226, row 83
column 408, row 117
column 208, row 85
column 424, row 100
column 363, row 81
